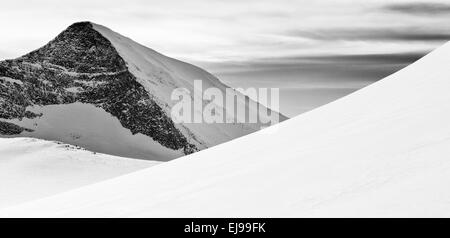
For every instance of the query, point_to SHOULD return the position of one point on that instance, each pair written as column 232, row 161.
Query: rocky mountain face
column 46, row 93
column 80, row 65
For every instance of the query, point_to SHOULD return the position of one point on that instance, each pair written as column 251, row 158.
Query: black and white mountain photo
column 224, row 109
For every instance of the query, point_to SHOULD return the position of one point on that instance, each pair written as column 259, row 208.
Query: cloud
column 302, row 61
column 379, row 59
column 375, row 34
column 318, row 72
column 419, row 8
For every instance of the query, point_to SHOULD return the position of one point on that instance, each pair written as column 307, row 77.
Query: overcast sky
column 316, row 51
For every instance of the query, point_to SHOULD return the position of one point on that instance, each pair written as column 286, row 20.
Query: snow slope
column 381, row 152
column 161, row 75
column 92, row 128
column 32, row 169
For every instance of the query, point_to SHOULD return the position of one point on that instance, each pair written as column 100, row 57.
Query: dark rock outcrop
column 80, row 65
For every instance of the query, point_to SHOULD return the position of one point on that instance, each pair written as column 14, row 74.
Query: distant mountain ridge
column 88, row 64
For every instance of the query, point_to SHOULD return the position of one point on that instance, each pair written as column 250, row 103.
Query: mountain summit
column 97, row 89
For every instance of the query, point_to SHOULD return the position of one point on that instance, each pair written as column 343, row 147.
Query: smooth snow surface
column 32, row 168
column 382, row 151
column 92, row 128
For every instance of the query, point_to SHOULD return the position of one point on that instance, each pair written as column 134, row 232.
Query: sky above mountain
column 315, row 51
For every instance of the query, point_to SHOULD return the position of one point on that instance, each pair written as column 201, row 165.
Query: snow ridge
column 380, row 152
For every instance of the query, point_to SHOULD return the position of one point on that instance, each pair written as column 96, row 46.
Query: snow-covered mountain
column 380, row 152
column 32, row 168
column 97, row 89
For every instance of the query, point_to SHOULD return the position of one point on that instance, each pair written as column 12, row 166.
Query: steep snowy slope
column 382, row 151
column 160, row 75
column 89, row 66
column 32, row 168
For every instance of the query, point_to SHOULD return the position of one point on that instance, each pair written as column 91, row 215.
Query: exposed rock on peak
column 92, row 65
column 80, row 65
column 79, row 49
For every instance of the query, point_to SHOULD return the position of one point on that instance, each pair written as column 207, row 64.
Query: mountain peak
column 79, row 72
column 79, row 48
column 81, row 25
column 89, row 67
